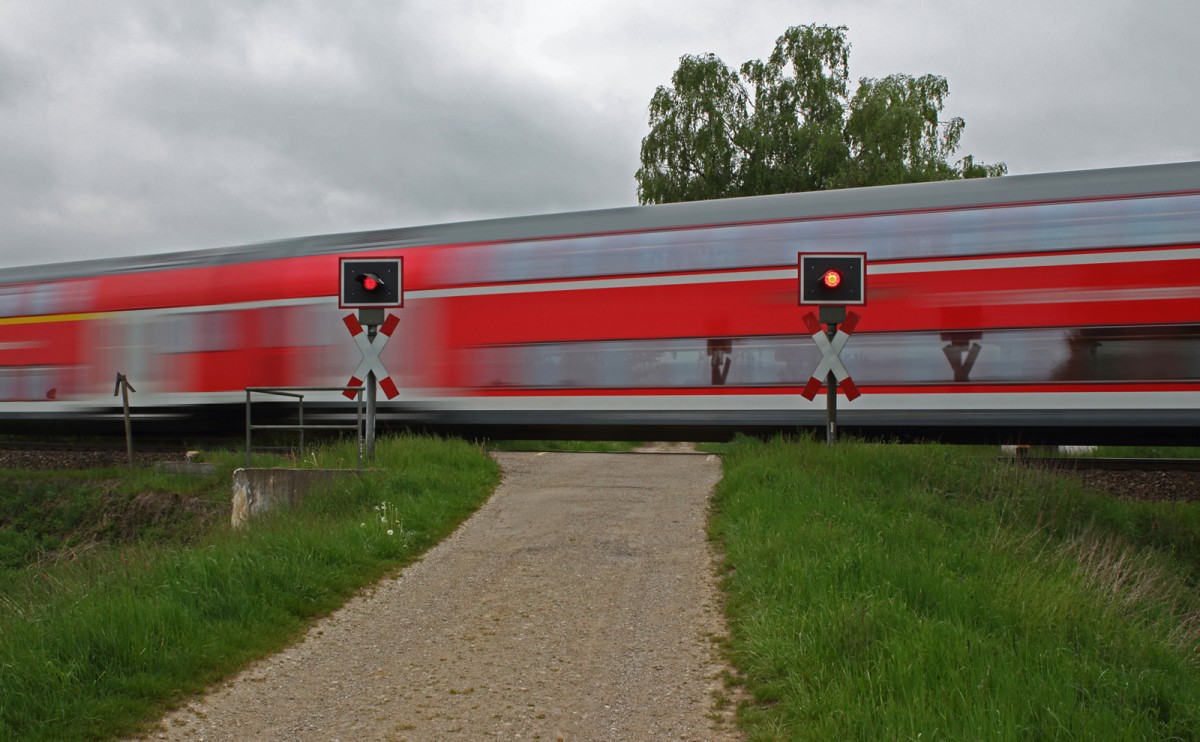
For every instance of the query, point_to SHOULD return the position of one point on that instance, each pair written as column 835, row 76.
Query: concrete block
column 257, row 491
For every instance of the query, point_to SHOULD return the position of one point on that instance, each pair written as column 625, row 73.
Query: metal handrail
column 297, row 392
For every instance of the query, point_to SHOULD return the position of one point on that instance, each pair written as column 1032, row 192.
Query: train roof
column 1142, row 180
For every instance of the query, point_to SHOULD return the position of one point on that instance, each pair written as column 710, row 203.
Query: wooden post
column 124, row 388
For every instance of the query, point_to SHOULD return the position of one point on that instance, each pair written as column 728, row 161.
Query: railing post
column 301, row 426
column 248, row 428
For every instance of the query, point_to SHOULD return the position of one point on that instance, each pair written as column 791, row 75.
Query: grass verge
column 99, row 643
column 926, row 592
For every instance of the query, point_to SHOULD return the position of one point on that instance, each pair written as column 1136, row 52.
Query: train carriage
column 1061, row 306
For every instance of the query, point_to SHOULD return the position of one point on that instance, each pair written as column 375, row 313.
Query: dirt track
column 577, row 604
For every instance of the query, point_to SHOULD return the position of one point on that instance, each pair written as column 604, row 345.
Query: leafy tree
column 695, row 124
column 789, row 124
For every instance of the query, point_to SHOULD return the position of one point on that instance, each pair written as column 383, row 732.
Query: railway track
column 1131, row 479
column 106, row 445
column 103, row 452
column 1138, row 479
column 1093, row 463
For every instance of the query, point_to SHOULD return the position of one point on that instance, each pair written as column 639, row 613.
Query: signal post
column 832, row 281
column 372, row 286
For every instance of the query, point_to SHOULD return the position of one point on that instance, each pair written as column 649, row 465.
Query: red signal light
column 370, row 281
column 831, row 279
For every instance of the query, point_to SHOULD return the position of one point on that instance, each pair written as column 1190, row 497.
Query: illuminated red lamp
column 370, row 281
column 831, row 279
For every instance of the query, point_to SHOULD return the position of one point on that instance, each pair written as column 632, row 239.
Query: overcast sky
column 139, row 126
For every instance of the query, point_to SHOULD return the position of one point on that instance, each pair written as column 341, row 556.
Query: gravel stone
column 579, row 603
column 1145, row 485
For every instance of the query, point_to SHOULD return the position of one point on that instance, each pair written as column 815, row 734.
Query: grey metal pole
column 372, row 331
column 359, row 433
column 831, row 398
column 248, row 428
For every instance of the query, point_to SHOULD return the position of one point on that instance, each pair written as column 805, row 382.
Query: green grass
column 874, row 591
column 97, row 643
column 57, row 514
column 926, row 592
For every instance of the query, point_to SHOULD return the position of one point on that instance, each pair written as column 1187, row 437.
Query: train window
column 10, row 301
column 1039, row 227
column 59, row 297
column 1162, row 353
column 274, row 328
column 130, row 346
column 305, row 325
column 667, row 363
column 221, row 331
column 43, row 298
column 196, row 332
column 920, row 358
column 174, row 333
column 27, row 383
column 76, row 296
column 40, row 382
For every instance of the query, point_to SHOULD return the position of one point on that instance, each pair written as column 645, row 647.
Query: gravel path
column 578, row 604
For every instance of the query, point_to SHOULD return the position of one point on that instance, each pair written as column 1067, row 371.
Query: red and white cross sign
column 830, row 359
column 370, row 353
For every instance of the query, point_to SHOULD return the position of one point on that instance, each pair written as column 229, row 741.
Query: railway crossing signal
column 832, row 281
column 371, row 285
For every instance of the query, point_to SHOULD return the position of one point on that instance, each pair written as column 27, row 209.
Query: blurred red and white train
column 1061, row 306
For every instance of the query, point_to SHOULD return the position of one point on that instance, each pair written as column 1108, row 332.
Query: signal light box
column 370, row 283
column 833, row 279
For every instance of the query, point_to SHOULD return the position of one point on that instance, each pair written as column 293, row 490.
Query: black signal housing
column 833, row 279
column 370, row 282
